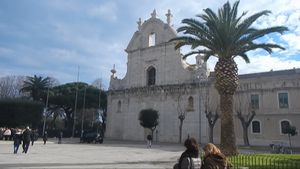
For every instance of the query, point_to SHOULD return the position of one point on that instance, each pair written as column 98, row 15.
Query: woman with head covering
column 214, row 158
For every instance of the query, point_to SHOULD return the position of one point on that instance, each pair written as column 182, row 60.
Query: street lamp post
column 83, row 112
column 200, row 119
column 45, row 111
column 75, row 108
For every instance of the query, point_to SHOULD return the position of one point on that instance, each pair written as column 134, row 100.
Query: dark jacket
column 26, row 136
column 34, row 136
column 149, row 137
column 187, row 154
column 17, row 139
column 215, row 162
column 45, row 137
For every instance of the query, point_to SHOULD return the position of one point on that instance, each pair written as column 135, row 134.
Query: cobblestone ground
column 71, row 154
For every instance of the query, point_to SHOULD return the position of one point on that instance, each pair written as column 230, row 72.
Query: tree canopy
column 36, row 86
column 20, row 112
column 149, row 118
column 63, row 96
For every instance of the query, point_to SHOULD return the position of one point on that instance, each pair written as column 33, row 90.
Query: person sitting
column 189, row 159
column 214, row 158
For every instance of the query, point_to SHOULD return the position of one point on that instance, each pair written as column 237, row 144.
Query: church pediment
column 151, row 32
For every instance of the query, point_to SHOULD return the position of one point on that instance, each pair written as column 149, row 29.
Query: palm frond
column 244, row 26
column 225, row 34
column 265, row 46
column 244, row 56
column 262, row 32
column 201, row 51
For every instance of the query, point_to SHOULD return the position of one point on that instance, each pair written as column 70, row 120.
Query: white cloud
column 265, row 63
column 293, row 41
column 259, row 63
column 106, row 11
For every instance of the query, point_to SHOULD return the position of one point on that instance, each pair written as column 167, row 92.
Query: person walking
column 60, row 135
column 33, row 136
column 149, row 141
column 190, row 157
column 17, row 137
column 45, row 137
column 26, row 139
column 214, row 158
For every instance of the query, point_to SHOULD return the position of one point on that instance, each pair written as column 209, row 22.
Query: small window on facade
column 151, row 76
column 119, row 106
column 284, row 126
column 255, row 127
column 152, row 39
column 190, row 106
column 283, row 100
column 254, row 101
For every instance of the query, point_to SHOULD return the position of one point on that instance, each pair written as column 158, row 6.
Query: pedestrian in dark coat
column 60, row 135
column 214, row 158
column 45, row 137
column 26, row 139
column 33, row 136
column 17, row 137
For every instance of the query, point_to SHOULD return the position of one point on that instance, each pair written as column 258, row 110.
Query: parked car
column 91, row 137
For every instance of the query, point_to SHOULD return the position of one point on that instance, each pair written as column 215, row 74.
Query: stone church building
column 157, row 77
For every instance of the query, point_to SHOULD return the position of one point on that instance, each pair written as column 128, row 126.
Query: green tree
column 225, row 35
column 63, row 97
column 36, row 86
column 290, row 131
column 149, row 119
column 20, row 112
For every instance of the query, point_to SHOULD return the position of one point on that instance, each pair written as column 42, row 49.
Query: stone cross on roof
column 139, row 22
column 113, row 71
column 153, row 14
column 169, row 16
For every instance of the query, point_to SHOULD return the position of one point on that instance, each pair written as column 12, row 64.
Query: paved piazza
column 71, row 154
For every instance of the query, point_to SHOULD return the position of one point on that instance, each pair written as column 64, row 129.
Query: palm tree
column 36, row 86
column 225, row 35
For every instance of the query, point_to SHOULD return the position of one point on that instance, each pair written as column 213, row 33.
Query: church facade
column 157, row 77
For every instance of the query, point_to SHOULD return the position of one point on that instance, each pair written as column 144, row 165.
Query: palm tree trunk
column 228, row 143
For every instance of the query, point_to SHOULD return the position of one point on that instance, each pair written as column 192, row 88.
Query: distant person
column 45, row 137
column 189, row 159
column 33, row 136
column 7, row 134
column 26, row 139
column 17, row 137
column 214, row 158
column 60, row 135
column 149, row 141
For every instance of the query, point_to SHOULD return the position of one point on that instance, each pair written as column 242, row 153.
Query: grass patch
column 266, row 161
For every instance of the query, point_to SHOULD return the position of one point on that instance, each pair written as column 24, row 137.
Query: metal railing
column 262, row 162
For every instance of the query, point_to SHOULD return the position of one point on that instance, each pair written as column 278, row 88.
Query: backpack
column 195, row 163
column 191, row 163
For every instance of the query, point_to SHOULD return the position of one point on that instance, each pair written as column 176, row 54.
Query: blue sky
column 53, row 37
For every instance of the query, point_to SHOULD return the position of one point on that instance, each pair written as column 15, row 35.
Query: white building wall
column 174, row 77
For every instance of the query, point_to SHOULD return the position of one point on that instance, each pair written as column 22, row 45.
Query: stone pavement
column 109, row 155
column 71, row 154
